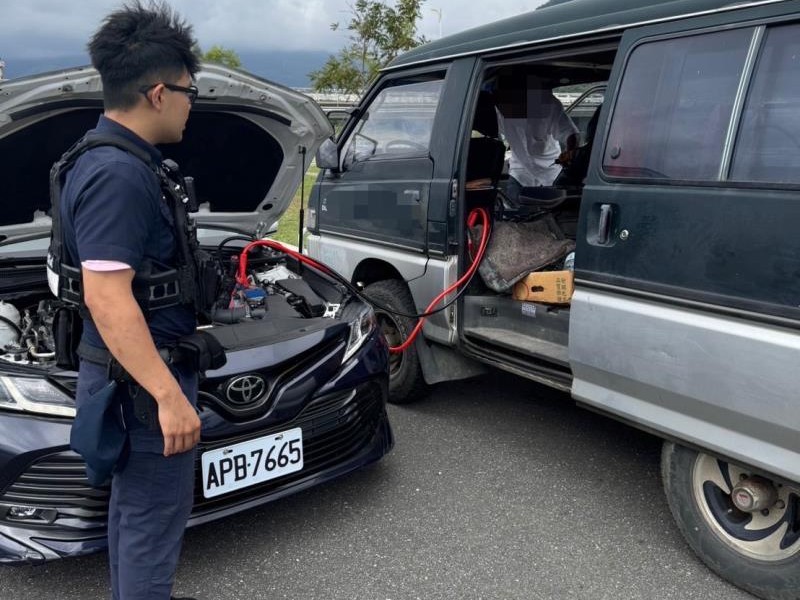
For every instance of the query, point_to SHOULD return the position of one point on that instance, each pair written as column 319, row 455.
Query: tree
column 222, row 56
column 378, row 34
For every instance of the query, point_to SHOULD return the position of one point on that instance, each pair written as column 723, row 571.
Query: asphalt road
column 497, row 489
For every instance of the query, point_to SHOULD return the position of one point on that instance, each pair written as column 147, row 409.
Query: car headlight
column 360, row 327
column 34, row 395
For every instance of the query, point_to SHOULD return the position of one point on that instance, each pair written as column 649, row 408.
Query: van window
column 398, row 121
column 768, row 145
column 582, row 111
column 674, row 107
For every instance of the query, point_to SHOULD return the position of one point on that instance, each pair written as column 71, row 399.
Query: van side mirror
column 339, row 116
column 327, row 156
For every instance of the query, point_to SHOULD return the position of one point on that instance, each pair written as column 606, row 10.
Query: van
column 678, row 194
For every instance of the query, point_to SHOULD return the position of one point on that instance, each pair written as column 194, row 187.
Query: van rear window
column 674, row 107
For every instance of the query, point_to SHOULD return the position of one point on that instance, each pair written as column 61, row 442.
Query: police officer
column 117, row 226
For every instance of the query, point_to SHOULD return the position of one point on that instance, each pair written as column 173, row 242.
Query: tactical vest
column 194, row 279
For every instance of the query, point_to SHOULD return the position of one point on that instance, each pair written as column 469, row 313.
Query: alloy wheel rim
column 769, row 535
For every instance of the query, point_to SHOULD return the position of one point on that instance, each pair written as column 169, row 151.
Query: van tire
column 406, row 383
column 699, row 507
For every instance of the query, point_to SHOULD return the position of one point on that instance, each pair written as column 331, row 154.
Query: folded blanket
column 516, row 249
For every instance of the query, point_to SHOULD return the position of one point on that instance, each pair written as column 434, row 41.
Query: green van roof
column 570, row 19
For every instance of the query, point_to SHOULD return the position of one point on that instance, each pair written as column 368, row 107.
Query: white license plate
column 255, row 461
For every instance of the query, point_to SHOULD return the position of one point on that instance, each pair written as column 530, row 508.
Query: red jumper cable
column 475, row 214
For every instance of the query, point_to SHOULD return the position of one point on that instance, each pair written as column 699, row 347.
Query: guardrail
column 338, row 100
column 331, row 100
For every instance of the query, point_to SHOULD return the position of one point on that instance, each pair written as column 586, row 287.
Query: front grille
column 322, row 359
column 58, row 481
column 335, row 428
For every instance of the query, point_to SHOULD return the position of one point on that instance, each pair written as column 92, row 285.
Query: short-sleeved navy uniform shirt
column 112, row 209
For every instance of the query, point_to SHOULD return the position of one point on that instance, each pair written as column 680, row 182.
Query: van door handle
column 604, row 223
column 411, row 195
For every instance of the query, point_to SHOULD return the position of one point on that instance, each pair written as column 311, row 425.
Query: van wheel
column 743, row 524
column 406, row 383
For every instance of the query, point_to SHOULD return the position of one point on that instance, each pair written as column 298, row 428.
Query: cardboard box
column 552, row 287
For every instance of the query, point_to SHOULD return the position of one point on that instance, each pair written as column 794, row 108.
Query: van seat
column 485, row 154
column 573, row 174
column 485, row 160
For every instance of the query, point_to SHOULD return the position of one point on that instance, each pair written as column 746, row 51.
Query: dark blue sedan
column 302, row 398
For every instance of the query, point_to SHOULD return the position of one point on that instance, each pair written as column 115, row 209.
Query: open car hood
column 243, row 144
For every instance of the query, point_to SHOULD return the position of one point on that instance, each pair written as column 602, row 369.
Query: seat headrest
column 591, row 126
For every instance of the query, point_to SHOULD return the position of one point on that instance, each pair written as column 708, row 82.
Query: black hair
column 141, row 45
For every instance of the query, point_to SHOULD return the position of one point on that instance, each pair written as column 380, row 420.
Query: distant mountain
column 288, row 68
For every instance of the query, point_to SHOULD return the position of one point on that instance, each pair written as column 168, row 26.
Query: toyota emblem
column 246, row 389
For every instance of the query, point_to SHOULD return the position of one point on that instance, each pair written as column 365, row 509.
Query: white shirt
column 536, row 141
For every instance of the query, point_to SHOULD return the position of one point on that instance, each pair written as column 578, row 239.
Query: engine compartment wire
column 463, row 281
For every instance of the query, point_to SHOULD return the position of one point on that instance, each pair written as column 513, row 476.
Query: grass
column 289, row 223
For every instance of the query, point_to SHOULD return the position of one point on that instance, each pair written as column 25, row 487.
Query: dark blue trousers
column 151, row 499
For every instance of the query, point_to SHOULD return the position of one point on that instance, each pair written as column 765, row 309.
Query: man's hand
column 564, row 158
column 179, row 424
column 569, row 152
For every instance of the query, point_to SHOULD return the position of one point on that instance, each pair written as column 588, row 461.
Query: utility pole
column 438, row 12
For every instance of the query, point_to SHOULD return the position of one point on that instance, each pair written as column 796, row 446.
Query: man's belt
column 116, row 372
column 199, row 351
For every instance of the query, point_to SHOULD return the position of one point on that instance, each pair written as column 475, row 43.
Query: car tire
column 758, row 551
column 406, row 383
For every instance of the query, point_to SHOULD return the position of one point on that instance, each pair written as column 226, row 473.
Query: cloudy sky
column 48, row 28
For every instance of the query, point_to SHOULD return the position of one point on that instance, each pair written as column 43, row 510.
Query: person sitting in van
column 536, row 128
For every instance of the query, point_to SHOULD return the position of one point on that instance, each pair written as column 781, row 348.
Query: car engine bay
column 279, row 295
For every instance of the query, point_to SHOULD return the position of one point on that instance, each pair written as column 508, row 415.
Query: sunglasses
column 191, row 92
